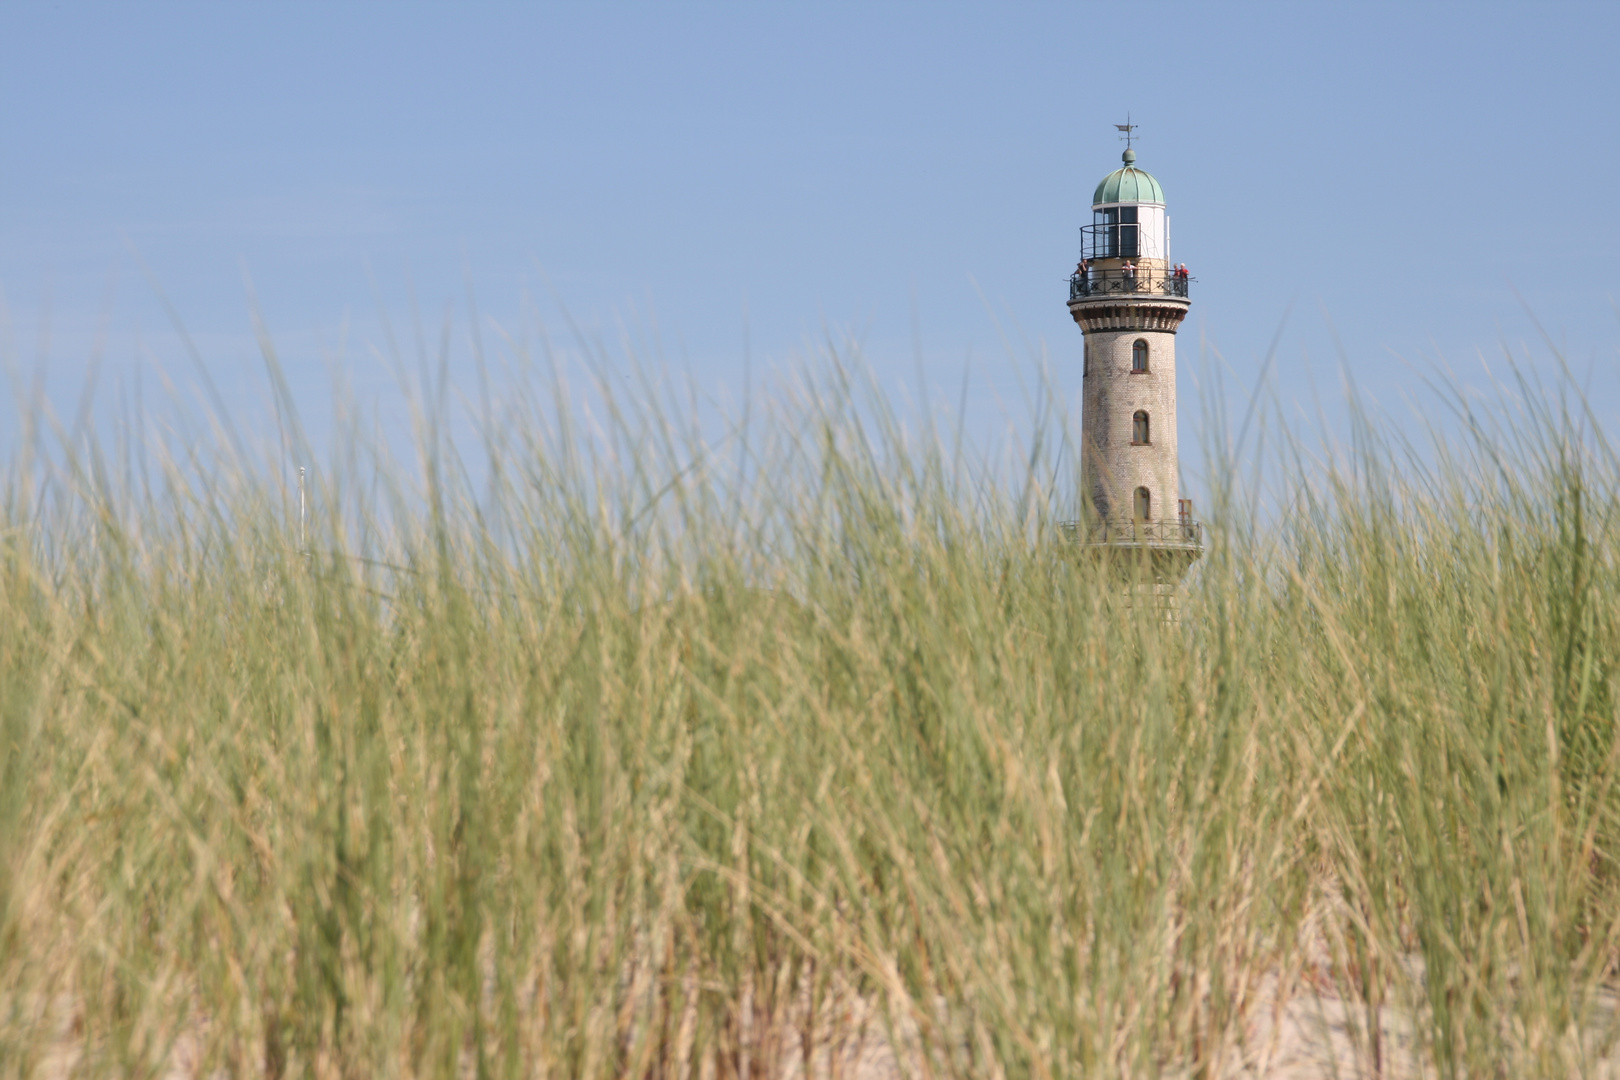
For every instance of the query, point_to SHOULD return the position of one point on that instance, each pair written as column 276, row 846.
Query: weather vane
column 1128, row 128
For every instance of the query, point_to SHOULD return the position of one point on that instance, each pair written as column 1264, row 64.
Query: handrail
column 1184, row 534
column 1151, row 281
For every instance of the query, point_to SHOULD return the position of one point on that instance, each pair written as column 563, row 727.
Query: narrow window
column 1139, row 356
column 1107, row 230
column 1085, row 368
column 1139, row 429
column 1128, row 248
column 1144, row 505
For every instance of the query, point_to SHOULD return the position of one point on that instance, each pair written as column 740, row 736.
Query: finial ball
column 1128, row 157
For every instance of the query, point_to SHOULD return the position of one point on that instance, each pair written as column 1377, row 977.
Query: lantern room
column 1128, row 218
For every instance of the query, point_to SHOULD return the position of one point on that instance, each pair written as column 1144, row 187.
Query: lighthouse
column 1129, row 299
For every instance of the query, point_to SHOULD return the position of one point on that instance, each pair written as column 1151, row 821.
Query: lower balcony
column 1184, row 536
column 1144, row 282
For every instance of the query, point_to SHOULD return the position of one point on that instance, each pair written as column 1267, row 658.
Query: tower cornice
column 1161, row 313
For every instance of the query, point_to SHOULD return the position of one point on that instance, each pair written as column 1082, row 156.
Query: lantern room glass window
column 1118, row 236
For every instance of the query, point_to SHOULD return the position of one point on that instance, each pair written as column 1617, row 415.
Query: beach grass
column 811, row 748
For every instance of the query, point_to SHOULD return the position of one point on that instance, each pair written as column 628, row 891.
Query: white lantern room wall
column 1130, row 231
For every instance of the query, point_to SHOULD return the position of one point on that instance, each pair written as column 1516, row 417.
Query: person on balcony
column 1128, row 272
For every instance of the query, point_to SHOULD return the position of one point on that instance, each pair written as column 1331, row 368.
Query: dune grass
column 649, row 756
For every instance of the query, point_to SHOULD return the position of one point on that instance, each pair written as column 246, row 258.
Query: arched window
column 1139, row 356
column 1144, row 505
column 1139, row 429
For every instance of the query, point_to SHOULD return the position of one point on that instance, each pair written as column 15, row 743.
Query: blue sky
column 1389, row 183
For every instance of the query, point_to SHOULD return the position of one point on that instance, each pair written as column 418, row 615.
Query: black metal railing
column 1151, row 282
column 1185, row 535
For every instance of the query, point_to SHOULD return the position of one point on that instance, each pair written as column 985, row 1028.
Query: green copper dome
column 1127, row 185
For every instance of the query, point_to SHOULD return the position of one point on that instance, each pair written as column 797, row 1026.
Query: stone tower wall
column 1112, row 394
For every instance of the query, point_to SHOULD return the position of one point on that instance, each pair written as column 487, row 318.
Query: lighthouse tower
column 1128, row 300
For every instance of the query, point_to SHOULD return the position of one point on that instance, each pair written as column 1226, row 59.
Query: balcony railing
column 1151, row 282
column 1180, row 535
column 1113, row 240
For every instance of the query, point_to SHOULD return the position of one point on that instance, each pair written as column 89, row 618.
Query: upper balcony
column 1148, row 281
